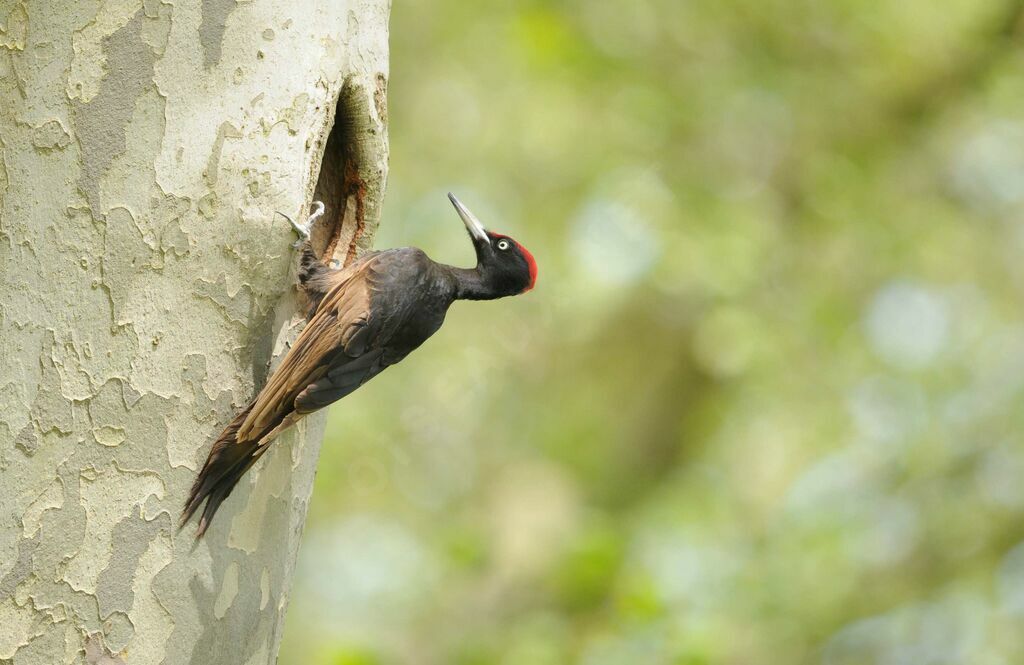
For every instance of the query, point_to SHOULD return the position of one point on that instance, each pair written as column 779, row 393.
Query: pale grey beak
column 473, row 225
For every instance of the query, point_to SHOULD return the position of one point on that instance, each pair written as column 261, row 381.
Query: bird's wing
column 392, row 283
column 337, row 337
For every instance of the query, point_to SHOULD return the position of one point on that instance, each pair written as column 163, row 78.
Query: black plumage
column 361, row 319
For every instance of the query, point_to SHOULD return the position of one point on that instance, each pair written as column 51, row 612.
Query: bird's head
column 506, row 267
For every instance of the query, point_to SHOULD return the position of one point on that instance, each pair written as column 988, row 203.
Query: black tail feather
column 228, row 461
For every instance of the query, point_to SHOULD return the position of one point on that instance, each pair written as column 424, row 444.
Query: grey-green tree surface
column 145, row 289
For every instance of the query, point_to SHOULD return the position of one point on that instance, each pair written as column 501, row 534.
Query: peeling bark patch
column 14, row 28
column 228, row 591
column 52, row 411
column 22, row 569
column 106, row 410
column 226, row 130
column 100, row 124
column 97, row 654
column 41, row 649
column 236, row 308
column 125, row 253
column 118, row 631
column 27, row 440
column 212, row 27
column 132, row 537
column 50, row 499
column 51, row 135
column 69, row 522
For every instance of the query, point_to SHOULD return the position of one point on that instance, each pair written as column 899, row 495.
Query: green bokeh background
column 766, row 402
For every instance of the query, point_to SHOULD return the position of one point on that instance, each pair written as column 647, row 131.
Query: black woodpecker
column 361, row 319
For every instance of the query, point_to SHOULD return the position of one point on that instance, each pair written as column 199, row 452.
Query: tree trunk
column 145, row 286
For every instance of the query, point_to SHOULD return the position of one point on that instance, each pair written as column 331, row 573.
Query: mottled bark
column 145, row 288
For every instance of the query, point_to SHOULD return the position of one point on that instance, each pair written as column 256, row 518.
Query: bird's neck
column 470, row 284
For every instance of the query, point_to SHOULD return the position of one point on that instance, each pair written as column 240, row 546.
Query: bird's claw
column 304, row 229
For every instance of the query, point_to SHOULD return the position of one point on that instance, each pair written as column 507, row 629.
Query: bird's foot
column 304, row 229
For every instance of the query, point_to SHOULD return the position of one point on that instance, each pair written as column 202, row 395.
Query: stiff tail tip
column 228, row 461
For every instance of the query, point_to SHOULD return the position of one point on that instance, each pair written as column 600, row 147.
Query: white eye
column 503, row 244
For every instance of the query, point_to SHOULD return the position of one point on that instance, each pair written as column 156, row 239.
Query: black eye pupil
column 503, row 244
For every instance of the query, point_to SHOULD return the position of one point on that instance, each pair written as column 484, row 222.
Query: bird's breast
column 413, row 300
column 423, row 320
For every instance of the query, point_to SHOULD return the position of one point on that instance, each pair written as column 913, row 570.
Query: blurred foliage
column 765, row 403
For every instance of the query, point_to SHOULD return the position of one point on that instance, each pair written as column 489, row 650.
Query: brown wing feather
column 336, row 322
